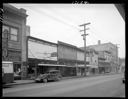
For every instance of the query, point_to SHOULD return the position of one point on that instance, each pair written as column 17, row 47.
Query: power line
column 55, row 18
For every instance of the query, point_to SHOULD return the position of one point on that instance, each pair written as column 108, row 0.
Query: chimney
column 99, row 42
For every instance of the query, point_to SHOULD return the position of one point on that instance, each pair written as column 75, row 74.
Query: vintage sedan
column 52, row 75
column 123, row 78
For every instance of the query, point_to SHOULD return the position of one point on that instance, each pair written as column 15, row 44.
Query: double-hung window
column 13, row 34
column 10, row 33
column 5, row 32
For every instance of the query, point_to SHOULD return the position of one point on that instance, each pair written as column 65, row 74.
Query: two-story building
column 14, row 38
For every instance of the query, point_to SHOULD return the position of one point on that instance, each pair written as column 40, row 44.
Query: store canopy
column 55, row 65
column 50, row 65
column 91, row 66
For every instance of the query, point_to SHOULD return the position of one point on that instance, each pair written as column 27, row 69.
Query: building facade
column 109, row 52
column 14, row 39
column 42, row 56
column 80, row 62
column 67, row 55
column 93, row 61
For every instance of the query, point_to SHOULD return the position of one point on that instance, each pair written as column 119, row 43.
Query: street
column 99, row 86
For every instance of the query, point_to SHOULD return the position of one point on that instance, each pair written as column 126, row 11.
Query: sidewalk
column 21, row 82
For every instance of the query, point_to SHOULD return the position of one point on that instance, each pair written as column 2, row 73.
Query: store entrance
column 17, row 71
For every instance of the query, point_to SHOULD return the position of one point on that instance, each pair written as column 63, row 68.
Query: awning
column 50, row 65
column 91, row 66
column 55, row 65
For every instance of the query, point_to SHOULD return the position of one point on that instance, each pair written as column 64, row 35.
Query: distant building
column 122, row 64
column 80, row 62
column 109, row 52
column 92, row 57
column 14, row 37
column 91, row 60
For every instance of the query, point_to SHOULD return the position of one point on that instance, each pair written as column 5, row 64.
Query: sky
column 60, row 22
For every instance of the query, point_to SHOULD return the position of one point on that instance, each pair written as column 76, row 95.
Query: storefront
column 41, row 52
column 67, row 55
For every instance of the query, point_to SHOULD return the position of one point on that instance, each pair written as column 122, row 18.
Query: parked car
column 123, row 78
column 52, row 75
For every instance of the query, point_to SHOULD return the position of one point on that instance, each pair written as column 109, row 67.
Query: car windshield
column 53, row 71
column 40, row 75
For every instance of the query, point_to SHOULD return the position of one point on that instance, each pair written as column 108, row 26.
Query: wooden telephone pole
column 84, row 38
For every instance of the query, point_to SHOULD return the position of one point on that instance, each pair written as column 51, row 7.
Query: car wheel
column 58, row 79
column 45, row 80
column 123, row 81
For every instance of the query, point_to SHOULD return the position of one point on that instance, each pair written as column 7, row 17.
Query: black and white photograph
column 63, row 50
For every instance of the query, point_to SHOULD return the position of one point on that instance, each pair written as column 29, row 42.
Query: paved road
column 99, row 86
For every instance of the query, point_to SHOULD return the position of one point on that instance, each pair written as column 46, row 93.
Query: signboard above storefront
column 42, row 50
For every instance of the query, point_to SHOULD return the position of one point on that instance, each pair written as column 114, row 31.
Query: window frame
column 14, row 34
column 3, row 33
column 9, row 34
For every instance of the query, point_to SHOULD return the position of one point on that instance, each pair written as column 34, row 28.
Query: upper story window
column 13, row 34
column 5, row 31
column 10, row 33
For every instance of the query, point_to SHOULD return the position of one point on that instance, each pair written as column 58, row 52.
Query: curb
column 64, row 78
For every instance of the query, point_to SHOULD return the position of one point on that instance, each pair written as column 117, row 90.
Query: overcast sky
column 53, row 22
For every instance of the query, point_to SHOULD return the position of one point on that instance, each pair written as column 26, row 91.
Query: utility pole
column 84, row 38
